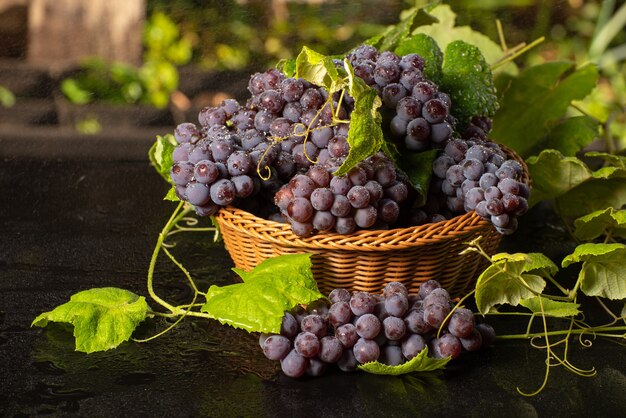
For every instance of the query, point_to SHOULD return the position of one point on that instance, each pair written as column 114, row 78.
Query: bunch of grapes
column 476, row 175
column 362, row 327
column 368, row 196
column 419, row 113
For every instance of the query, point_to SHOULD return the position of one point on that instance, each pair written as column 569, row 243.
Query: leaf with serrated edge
column 604, row 269
column 592, row 195
column 614, row 160
column 365, row 134
column 550, row 307
column 171, row 195
column 467, row 78
column 550, row 87
column 504, row 281
column 287, row 67
column 533, row 262
column 570, row 135
column 445, row 31
column 593, row 225
column 318, row 69
column 554, row 174
column 259, row 304
column 395, row 34
column 103, row 318
column 160, row 155
column 419, row 363
column 418, row 168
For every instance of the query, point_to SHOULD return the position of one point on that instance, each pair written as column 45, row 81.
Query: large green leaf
column 445, row 31
column 395, row 34
column 318, row 69
column 554, row 174
column 103, row 318
column 604, row 269
column 418, row 168
column 419, row 363
column 598, row 223
column 539, row 96
column 570, row 135
column 365, row 134
column 259, row 303
column 506, row 281
column 467, row 78
column 544, row 306
column 591, row 196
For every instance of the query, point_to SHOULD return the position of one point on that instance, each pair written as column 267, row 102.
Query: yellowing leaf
column 604, row 269
column 548, row 307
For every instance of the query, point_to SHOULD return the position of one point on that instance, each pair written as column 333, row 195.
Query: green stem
column 564, row 332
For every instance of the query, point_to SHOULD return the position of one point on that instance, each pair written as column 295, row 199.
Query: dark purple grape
column 362, row 303
column 461, row 323
column 222, row 192
column 347, row 335
column 300, row 209
column 347, row 362
column 289, row 326
column 341, row 206
column 434, row 111
column 365, row 350
column 314, row 324
column 368, row 326
column 294, row 364
column 472, row 342
column 366, row 217
column 394, row 328
column 397, row 304
column 345, row 225
column 412, row 346
column 391, row 355
column 447, row 346
column 181, row 173
column 302, row 186
column 307, row 344
column 244, row 185
column 323, row 221
column 276, row 347
column 415, row 322
column 331, row 349
column 186, row 133
column 339, row 295
column 198, row 194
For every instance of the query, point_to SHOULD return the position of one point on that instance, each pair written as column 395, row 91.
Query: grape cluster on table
column 357, row 328
column 276, row 155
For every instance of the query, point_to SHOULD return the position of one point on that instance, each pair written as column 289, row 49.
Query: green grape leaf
column 171, row 195
column 259, row 303
column 445, row 31
column 535, row 263
column 287, row 67
column 570, row 135
column 419, row 363
column 505, row 281
column 318, row 69
column 548, row 307
column 623, row 313
column 540, row 95
column 365, row 134
column 418, row 168
column 604, row 269
column 103, row 318
column 553, row 174
column 467, row 78
column 160, row 155
column 591, row 196
column 614, row 160
column 595, row 224
column 427, row 48
column 395, row 34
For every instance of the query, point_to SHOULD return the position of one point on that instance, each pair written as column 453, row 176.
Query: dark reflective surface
column 74, row 225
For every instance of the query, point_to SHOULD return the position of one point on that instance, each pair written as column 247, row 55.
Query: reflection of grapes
column 357, row 328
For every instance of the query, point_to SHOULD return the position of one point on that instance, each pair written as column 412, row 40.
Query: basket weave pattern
column 367, row 259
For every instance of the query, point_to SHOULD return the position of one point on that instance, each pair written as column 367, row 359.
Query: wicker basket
column 367, row 259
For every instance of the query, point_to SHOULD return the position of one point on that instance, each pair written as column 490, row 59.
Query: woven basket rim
column 366, row 239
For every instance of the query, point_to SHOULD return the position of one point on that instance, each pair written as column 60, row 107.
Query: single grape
column 276, row 347
column 331, row 349
column 366, row 217
column 365, row 350
column 435, row 314
column 345, row 225
column 487, row 333
column 302, row 185
column 362, row 303
column 223, row 192
column 198, row 194
column 181, row 173
column 307, row 344
column 412, row 346
column 347, row 334
column 447, row 346
column 359, row 197
column 391, row 355
column 289, row 326
column 337, row 295
column 314, row 324
column 186, row 132
column 294, row 364
column 347, row 362
column 323, row 221
column 339, row 313
column 472, row 342
column 415, row 322
column 368, row 326
column 300, row 209
column 461, row 323
column 397, row 304
column 394, row 328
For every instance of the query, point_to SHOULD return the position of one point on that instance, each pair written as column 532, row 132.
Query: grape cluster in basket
column 360, row 327
column 276, row 155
